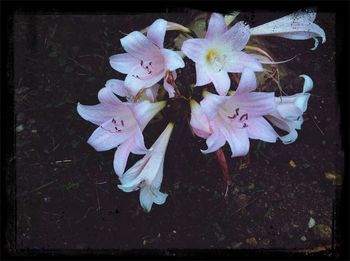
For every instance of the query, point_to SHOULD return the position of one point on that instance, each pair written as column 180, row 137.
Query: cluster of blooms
column 229, row 116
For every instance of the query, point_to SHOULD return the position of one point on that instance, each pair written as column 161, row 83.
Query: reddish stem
column 223, row 164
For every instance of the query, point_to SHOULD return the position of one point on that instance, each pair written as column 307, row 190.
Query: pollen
column 211, row 55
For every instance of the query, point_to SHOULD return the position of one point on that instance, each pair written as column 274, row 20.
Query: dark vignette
column 8, row 204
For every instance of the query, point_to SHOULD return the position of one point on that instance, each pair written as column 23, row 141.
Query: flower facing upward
column 147, row 173
column 289, row 110
column 146, row 61
column 234, row 118
column 120, row 124
column 220, row 52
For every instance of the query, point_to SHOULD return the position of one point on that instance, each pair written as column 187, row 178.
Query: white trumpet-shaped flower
column 289, row 111
column 297, row 26
column 147, row 173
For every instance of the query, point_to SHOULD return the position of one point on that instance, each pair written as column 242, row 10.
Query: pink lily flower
column 297, row 26
column 120, row 124
column 147, row 173
column 146, row 61
column 289, row 110
column 220, row 52
column 234, row 118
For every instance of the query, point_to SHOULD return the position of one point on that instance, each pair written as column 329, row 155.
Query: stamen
column 244, row 117
column 235, row 115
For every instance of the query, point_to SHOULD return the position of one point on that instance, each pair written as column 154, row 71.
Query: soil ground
column 66, row 192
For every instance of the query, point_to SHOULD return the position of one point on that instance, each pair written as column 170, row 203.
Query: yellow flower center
column 215, row 59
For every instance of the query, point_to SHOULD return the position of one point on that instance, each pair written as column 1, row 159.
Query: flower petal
column 259, row 128
column 121, row 156
column 139, row 46
column 149, row 195
column 134, row 144
column 237, row 139
column 308, row 83
column 117, row 87
column 247, row 83
column 123, row 62
column 145, row 111
column 172, row 60
column 137, row 79
column 297, row 26
column 216, row 27
column 151, row 93
column 107, row 95
column 97, row 114
column 195, row 49
column 102, row 139
column 202, row 77
column 237, row 36
column 214, row 142
column 290, row 137
column 212, row 103
column 199, row 121
column 156, row 32
column 221, row 81
column 240, row 60
column 254, row 103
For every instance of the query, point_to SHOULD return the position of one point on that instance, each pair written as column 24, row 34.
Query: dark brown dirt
column 67, row 195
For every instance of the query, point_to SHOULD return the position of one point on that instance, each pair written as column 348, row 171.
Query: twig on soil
column 317, row 126
column 98, row 200
column 36, row 189
column 52, row 214
column 63, row 161
column 243, row 207
column 85, row 215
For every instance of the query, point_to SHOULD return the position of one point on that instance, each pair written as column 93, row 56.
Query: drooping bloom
column 234, row 118
column 120, row 124
column 297, row 26
column 147, row 173
column 220, row 52
column 146, row 61
column 289, row 110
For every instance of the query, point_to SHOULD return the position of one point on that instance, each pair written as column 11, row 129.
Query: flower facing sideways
column 297, row 26
column 234, row 118
column 220, row 52
column 146, row 61
column 120, row 124
column 147, row 173
column 289, row 110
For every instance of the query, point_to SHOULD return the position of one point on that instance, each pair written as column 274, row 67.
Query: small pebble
column 312, row 223
column 303, row 238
